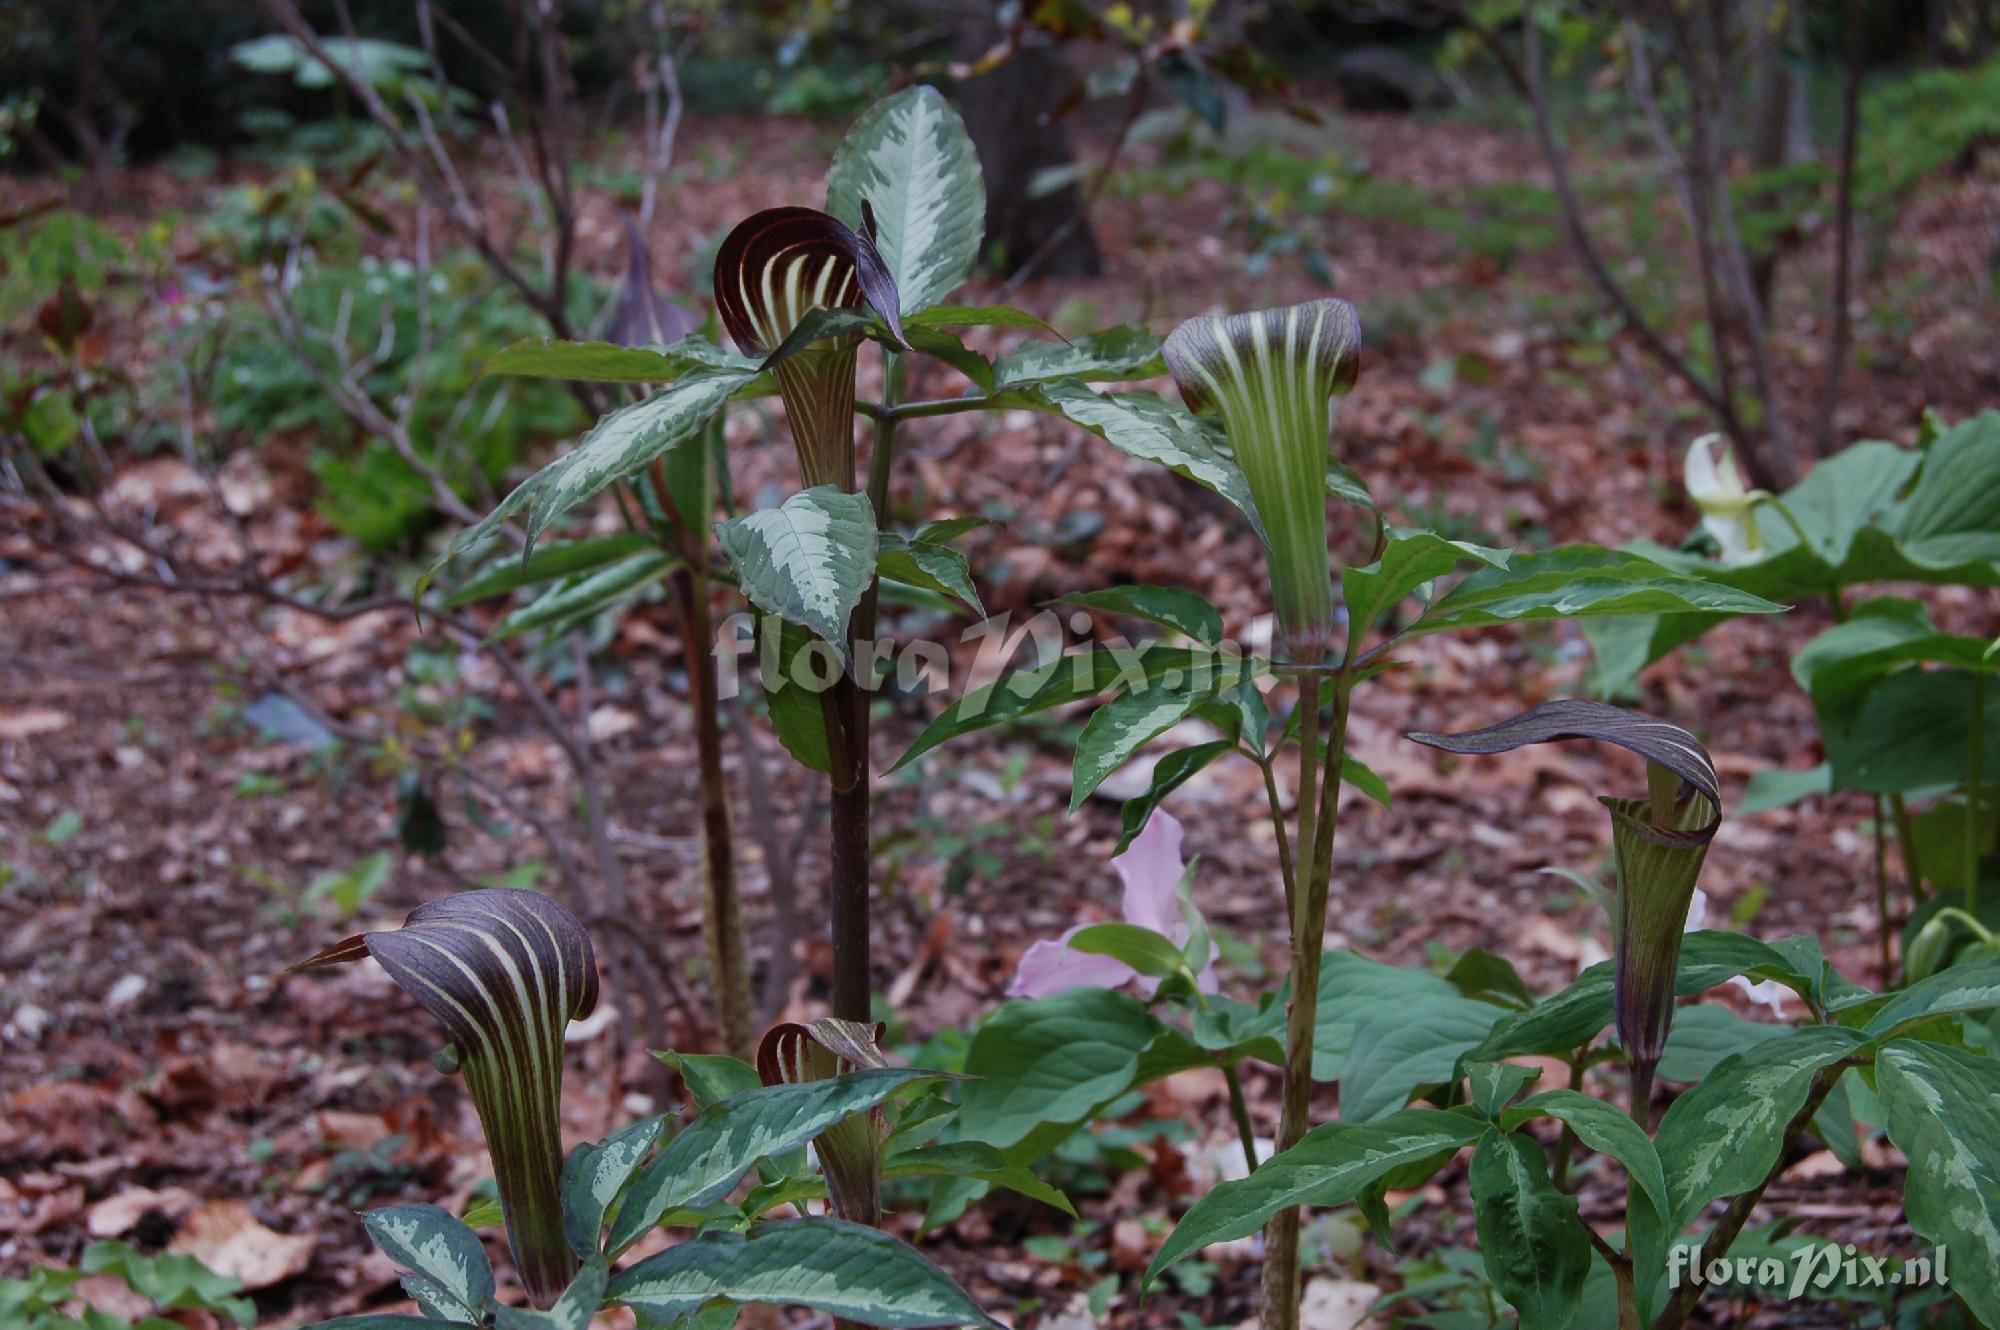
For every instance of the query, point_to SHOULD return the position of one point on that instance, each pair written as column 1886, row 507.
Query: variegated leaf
column 844, row 1270
column 442, row 1251
column 594, row 1174
column 1942, row 1114
column 910, row 158
column 808, row 561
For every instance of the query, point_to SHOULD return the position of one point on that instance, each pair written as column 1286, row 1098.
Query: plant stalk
column 1282, row 1286
column 1975, row 750
column 721, row 906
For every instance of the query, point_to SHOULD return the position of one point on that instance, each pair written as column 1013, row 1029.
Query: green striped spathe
column 1272, row 376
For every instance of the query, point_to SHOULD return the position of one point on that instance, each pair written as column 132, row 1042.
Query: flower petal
column 1151, row 869
column 1052, row 967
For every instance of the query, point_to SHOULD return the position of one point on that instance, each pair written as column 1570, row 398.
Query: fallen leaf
column 227, row 1238
column 115, row 1215
column 1336, row 1304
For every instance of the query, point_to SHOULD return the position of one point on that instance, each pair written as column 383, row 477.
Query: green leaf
column 946, row 347
column 1146, row 951
column 808, row 561
column 1775, row 787
column 1912, row 733
column 1124, row 725
column 1398, row 1048
column 391, row 1321
column 1530, row 1238
column 977, row 316
column 1363, row 778
column 1072, row 678
column 510, row 571
column 1953, row 513
column 1842, row 664
column 594, row 1174
column 1330, row 1166
column 1169, row 774
column 1838, row 499
column 1411, row 559
column 1491, row 978
column 798, row 712
column 1051, row 1059
column 1350, row 987
column 1973, row 987
column 976, row 1160
column 702, row 1163
column 584, row 594
column 574, row 1310
column 428, row 1240
column 1170, row 607
column 841, row 1269
column 1704, row 1036
column 929, row 564
column 1604, row 1129
column 909, row 158
column 1121, row 353
column 711, row 1077
column 620, row 445
column 1147, row 426
column 1942, row 1115
column 1576, row 582
column 607, row 362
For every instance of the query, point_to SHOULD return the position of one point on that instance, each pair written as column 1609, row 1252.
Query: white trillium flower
column 1727, row 508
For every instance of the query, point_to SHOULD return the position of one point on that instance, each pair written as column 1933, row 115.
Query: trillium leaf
column 504, row 972
column 1415, row 1042
column 977, row 1161
column 1051, row 1059
column 910, row 160
column 1953, row 513
column 844, row 1270
column 808, row 561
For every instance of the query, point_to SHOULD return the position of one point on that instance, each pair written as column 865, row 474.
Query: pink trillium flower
column 1151, row 869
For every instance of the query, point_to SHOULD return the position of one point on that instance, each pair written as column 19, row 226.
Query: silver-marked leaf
column 584, row 594
column 1147, row 426
column 910, row 160
column 705, row 1160
column 928, row 564
column 504, row 972
column 594, row 1174
column 1173, row 607
column 1942, row 1115
column 841, row 1269
column 1124, row 725
column 1530, row 1236
column 619, row 446
column 608, row 362
column 548, row 562
column 1605, row 1129
column 1169, row 774
column 1331, row 1165
column 391, row 1321
column 808, row 561
column 1112, row 354
column 574, row 1310
column 438, row 1247
column 977, row 316
column 1974, row 987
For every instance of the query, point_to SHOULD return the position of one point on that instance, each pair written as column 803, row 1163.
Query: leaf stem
column 1239, row 1108
column 1975, row 750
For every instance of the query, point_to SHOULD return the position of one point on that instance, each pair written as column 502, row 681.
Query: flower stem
column 1976, row 749
column 1240, row 1109
column 1318, row 823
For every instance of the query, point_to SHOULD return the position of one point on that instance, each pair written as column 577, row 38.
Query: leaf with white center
column 909, row 158
column 808, row 561
column 1124, row 725
column 1974, row 987
column 1530, row 1237
column 1605, row 1129
column 1411, row 559
column 1109, row 355
column 836, row 1268
column 1147, row 426
column 594, row 1174
column 1331, row 1165
column 1944, row 1115
column 584, row 594
column 608, row 362
column 929, row 564
column 704, row 1161
column 574, row 1310
column 428, row 1240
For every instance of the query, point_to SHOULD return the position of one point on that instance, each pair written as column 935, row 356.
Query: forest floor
column 162, row 1079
